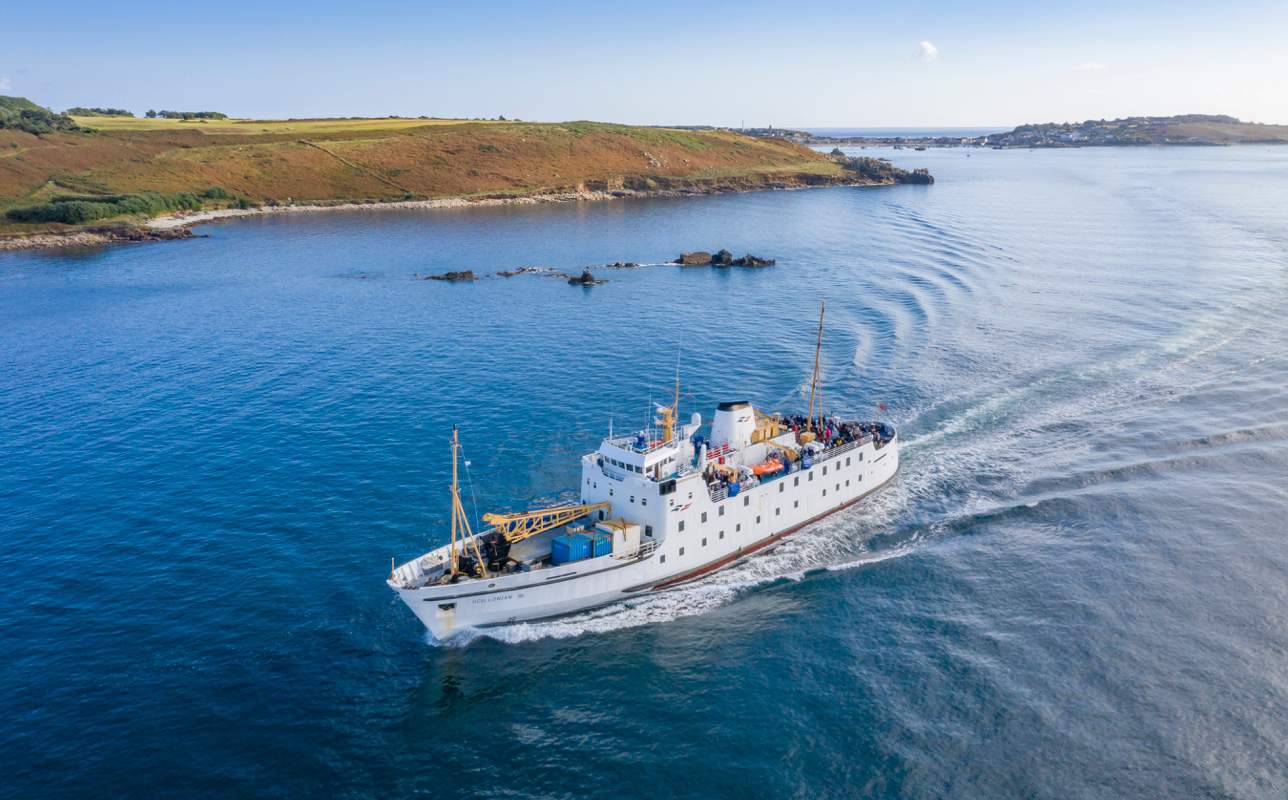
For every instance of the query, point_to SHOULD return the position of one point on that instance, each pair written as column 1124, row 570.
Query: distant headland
column 103, row 174
column 1184, row 129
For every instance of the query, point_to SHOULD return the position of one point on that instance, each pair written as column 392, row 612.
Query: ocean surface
column 1076, row 588
column 907, row 133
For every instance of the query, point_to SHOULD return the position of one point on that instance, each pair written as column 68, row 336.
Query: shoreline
column 179, row 225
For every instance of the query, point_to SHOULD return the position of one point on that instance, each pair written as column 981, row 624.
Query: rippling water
column 1077, row 587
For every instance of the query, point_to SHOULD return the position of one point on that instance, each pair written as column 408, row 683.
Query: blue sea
column 906, row 132
column 1077, row 587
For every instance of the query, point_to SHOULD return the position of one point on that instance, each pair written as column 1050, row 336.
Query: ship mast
column 461, row 521
column 669, row 414
column 818, row 349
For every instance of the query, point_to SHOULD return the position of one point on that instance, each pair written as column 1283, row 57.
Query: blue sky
column 855, row 64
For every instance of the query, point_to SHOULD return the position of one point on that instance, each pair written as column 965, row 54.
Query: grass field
column 249, row 126
column 373, row 160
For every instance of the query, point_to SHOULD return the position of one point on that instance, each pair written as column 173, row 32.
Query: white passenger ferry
column 657, row 508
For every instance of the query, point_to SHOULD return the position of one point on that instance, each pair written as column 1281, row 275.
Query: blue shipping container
column 603, row 545
column 571, row 547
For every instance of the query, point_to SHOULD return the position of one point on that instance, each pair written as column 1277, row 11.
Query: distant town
column 1184, row 129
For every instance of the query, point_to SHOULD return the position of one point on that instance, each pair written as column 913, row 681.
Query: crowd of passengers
column 832, row 432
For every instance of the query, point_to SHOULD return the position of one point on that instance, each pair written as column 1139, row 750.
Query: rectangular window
column 847, row 461
column 720, row 511
column 838, row 487
column 825, row 493
column 796, row 504
column 860, row 456
column 737, row 527
column 704, row 517
column 746, row 501
column 681, row 525
column 824, row 469
column 721, row 534
column 847, row 484
column 610, row 491
column 796, row 481
column 778, row 512
column 780, row 488
column 704, row 541
column 661, row 559
column 681, row 551
column 811, row 475
column 643, row 501
column 648, row 530
column 757, row 519
column 632, row 498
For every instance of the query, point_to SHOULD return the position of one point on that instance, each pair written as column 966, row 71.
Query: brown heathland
column 384, row 162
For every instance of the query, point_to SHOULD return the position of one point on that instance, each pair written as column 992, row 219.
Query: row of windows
column 746, row 501
column 623, row 465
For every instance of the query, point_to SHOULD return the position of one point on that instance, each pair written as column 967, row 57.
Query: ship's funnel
column 733, row 425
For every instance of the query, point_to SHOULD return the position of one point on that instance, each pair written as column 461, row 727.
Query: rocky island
column 1183, row 129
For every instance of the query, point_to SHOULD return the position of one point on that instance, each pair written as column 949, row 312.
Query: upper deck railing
column 632, row 444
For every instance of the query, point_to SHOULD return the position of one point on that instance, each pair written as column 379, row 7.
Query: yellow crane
column 517, row 527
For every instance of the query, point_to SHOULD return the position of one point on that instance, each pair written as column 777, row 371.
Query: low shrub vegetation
column 75, row 209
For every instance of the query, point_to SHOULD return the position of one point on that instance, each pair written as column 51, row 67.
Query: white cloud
column 1091, row 66
column 5, row 84
column 927, row 51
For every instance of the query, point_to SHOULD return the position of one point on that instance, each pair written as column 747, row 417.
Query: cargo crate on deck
column 570, row 547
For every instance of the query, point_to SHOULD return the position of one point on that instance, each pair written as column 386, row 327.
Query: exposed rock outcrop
column 724, row 258
column 586, row 278
column 462, row 275
column 698, row 258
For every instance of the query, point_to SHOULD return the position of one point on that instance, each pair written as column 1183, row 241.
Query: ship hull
column 719, row 532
